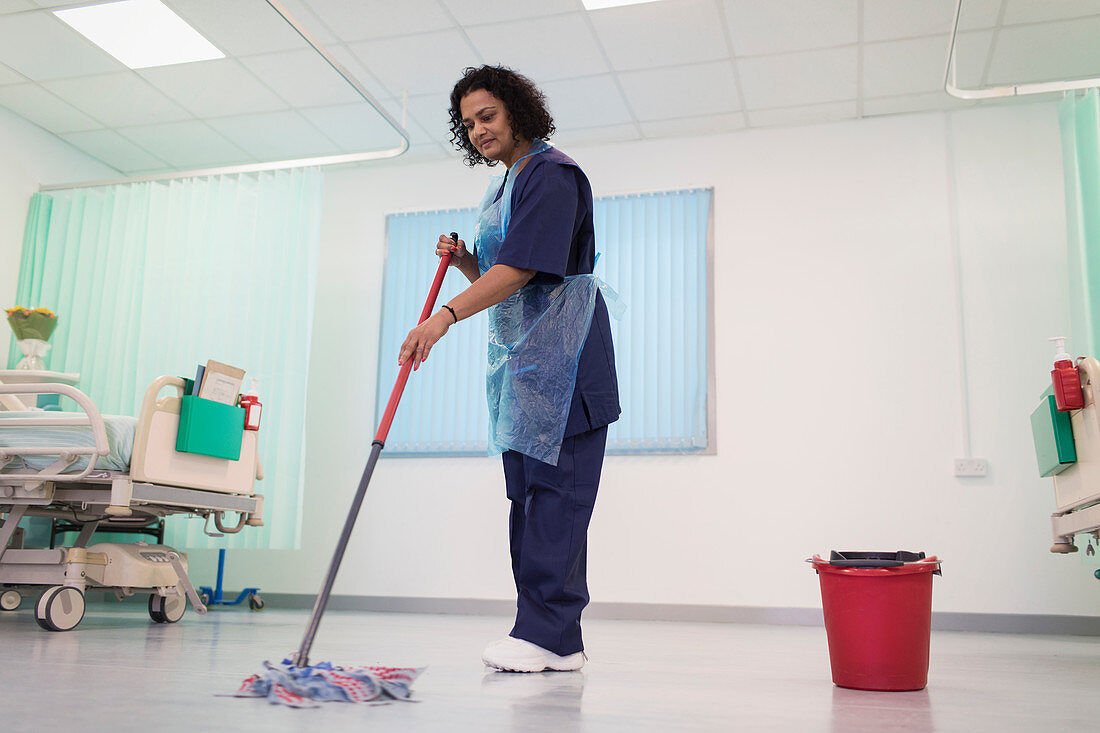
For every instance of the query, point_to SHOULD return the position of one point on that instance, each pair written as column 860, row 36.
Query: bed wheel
column 10, row 600
column 59, row 608
column 167, row 609
column 255, row 602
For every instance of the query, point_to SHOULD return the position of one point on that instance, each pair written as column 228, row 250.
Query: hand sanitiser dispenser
column 1067, row 381
column 250, row 401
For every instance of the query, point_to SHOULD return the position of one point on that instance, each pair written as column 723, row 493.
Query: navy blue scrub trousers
column 551, row 508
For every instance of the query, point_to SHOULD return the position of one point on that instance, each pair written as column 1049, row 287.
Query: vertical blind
column 652, row 251
column 154, row 278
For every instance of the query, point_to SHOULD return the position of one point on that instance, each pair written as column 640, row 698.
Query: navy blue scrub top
column 551, row 231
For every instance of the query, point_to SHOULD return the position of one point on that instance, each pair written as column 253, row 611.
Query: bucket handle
column 818, row 560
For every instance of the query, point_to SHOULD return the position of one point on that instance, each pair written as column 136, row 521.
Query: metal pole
column 301, row 659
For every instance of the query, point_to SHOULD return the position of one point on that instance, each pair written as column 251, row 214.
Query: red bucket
column 878, row 618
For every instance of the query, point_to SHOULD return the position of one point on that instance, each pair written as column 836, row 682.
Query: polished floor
column 118, row 672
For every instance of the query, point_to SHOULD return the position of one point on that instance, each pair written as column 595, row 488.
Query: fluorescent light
column 601, row 4
column 140, row 33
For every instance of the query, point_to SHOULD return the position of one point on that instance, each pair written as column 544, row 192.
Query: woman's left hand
column 422, row 338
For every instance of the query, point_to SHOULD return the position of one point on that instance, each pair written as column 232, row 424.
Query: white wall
column 839, row 405
column 30, row 157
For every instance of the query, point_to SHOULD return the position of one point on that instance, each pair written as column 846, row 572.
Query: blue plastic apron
column 535, row 341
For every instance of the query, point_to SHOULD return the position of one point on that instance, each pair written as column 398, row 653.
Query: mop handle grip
column 406, row 368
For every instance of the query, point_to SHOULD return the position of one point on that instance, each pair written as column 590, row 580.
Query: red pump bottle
column 250, row 401
column 1067, row 381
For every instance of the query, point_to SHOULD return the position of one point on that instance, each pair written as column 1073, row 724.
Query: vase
column 33, row 351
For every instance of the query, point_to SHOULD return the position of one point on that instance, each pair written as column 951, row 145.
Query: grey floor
column 117, row 671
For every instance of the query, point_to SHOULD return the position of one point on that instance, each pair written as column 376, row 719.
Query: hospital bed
column 1077, row 484
column 90, row 469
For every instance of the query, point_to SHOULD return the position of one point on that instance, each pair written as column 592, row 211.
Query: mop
column 295, row 682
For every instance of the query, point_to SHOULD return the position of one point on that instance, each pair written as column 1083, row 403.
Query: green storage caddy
column 1052, row 432
column 210, row 428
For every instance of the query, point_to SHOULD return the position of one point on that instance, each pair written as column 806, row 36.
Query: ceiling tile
column 814, row 114
column 241, row 27
column 543, row 49
column 355, row 67
column 595, row 135
column 794, row 25
column 886, row 20
column 368, row 19
column 44, row 109
column 661, row 34
column 213, row 88
column 799, row 79
column 978, row 14
column 572, row 102
column 301, row 11
column 39, row 46
column 431, row 113
column 476, row 12
column 705, row 125
column 187, row 145
column 118, row 99
column 417, row 133
column 917, row 65
column 1029, row 11
column 113, row 149
column 971, row 53
column 423, row 64
column 275, row 136
column 681, row 91
column 354, row 127
column 14, row 6
column 1047, row 52
column 927, row 102
column 302, row 78
column 9, row 75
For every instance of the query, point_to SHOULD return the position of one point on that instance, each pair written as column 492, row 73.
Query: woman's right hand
column 447, row 245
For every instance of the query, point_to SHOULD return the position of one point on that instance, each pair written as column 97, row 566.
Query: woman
column 551, row 385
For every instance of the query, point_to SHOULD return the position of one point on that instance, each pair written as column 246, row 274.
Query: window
column 653, row 251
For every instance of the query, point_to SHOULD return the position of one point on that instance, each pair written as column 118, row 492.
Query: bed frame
column 161, row 482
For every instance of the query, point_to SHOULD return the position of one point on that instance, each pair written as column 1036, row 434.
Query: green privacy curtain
column 154, row 278
column 1080, row 122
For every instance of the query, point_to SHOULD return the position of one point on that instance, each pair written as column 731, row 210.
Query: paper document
column 221, row 382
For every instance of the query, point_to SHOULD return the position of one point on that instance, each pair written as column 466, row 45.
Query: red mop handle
column 406, row 368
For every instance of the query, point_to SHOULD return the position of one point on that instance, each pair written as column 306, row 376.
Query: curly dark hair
column 525, row 104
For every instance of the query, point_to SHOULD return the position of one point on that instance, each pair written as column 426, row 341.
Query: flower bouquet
column 32, row 329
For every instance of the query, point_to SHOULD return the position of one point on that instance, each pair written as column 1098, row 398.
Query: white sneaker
column 498, row 642
column 517, row 655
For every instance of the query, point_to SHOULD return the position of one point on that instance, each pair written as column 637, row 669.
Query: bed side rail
column 67, row 455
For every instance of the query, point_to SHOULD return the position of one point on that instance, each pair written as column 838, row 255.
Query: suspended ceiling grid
column 665, row 69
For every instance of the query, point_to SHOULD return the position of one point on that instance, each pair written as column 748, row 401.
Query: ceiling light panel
column 140, row 33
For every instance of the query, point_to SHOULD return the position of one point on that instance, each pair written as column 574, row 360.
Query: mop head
column 304, row 687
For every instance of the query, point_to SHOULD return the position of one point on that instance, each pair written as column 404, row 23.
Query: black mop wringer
column 295, row 682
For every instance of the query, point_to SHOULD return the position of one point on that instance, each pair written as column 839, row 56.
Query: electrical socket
column 971, row 467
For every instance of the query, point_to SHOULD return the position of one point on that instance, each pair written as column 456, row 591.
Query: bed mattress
column 120, row 439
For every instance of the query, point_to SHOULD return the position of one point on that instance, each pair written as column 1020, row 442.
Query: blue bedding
column 120, row 439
